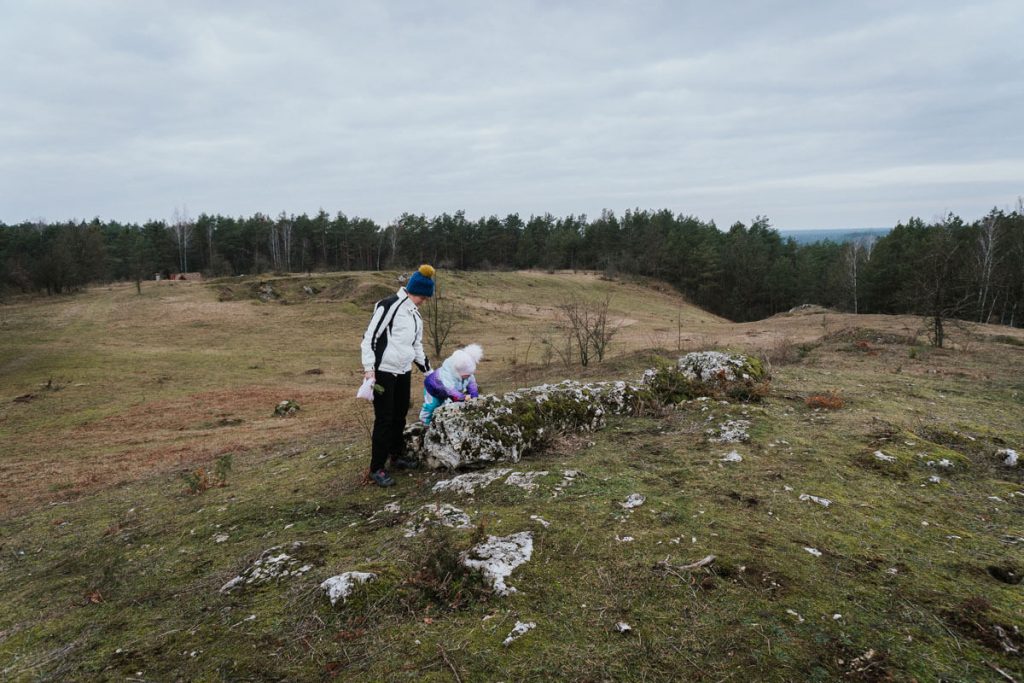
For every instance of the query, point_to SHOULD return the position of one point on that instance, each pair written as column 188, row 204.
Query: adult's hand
column 370, row 374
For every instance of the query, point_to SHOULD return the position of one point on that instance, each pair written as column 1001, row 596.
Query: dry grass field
column 110, row 563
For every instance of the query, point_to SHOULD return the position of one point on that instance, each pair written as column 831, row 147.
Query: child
column 454, row 380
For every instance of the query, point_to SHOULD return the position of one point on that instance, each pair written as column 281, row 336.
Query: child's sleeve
column 435, row 387
column 473, row 390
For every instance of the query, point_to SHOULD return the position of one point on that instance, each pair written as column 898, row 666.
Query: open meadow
column 143, row 467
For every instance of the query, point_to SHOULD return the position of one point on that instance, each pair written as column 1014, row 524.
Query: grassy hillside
column 111, row 566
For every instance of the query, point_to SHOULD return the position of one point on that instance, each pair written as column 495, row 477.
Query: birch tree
column 181, row 227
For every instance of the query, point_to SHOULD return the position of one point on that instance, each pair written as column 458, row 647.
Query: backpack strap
column 387, row 318
column 384, row 325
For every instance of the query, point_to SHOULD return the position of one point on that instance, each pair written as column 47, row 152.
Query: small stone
column 341, row 586
column 634, row 500
column 623, row 627
column 879, row 455
column 520, row 629
column 813, row 551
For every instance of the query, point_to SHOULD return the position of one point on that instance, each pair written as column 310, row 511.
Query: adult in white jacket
column 393, row 342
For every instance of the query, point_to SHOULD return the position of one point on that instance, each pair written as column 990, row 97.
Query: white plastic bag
column 366, row 390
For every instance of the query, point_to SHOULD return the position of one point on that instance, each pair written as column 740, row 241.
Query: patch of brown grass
column 826, row 401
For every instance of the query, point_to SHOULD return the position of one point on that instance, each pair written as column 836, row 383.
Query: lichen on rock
column 710, row 373
column 498, row 556
column 341, row 586
column 505, row 428
column 279, row 562
column 433, row 514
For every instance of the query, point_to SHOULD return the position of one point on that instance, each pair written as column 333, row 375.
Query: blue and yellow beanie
column 422, row 281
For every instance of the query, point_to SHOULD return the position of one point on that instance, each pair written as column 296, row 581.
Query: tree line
column 944, row 268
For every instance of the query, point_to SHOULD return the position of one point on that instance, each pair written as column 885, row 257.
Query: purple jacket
column 445, row 383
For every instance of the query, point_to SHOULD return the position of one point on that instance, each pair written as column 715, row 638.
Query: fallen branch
column 1001, row 672
column 675, row 569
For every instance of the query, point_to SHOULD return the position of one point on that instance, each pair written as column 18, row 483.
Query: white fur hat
column 465, row 360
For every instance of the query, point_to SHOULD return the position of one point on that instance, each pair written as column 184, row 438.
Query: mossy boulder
column 507, row 427
column 710, row 373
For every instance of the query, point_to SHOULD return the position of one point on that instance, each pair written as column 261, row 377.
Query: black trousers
column 389, row 410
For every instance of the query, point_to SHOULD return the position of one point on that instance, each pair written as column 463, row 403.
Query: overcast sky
column 816, row 114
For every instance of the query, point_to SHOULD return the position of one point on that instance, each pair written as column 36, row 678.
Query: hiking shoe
column 382, row 478
column 403, row 463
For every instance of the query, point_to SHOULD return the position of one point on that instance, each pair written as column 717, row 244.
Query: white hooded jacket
column 401, row 333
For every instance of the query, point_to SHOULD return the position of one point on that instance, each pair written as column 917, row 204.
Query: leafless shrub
column 441, row 315
column 589, row 332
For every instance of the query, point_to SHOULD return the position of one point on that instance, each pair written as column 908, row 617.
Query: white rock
column 623, row 539
column 443, row 514
column 813, row 551
column 220, row 538
column 543, row 522
column 467, row 483
column 520, row 629
column 1011, row 457
column 498, row 556
column 879, row 455
column 732, row 456
column 623, row 627
column 341, row 586
column 525, row 480
column 634, row 500
column 794, row 613
column 268, row 567
column 824, row 502
column 732, row 431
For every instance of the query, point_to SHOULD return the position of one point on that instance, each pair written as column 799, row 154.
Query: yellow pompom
column 427, row 270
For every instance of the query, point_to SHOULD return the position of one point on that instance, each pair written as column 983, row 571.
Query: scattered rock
column 340, row 587
column 568, row 477
column 813, row 551
column 443, row 514
column 498, row 556
column 286, row 408
column 824, row 502
column 879, row 455
column 540, row 520
column 934, row 479
column 1008, row 456
column 731, row 431
column 273, row 564
column 520, row 629
column 794, row 613
column 266, row 292
column 220, row 538
column 733, row 456
column 525, row 480
column 622, row 627
column 634, row 500
column 467, row 483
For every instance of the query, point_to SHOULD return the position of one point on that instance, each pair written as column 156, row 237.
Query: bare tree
column 394, row 232
column 181, row 227
column 588, row 329
column 441, row 315
column 986, row 260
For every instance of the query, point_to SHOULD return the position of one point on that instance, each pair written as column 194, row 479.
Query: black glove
column 424, row 366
